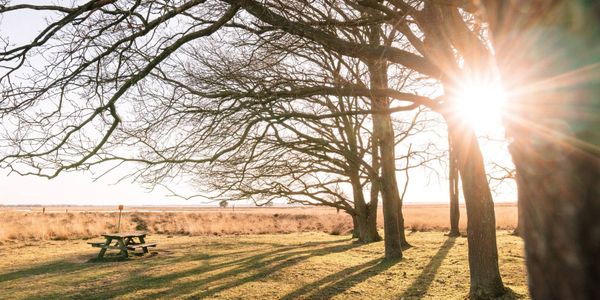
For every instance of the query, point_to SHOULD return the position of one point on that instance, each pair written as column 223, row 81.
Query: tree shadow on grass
column 340, row 281
column 55, row 267
column 237, row 271
column 252, row 270
column 420, row 286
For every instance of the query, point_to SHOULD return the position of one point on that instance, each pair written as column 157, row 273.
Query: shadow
column 240, row 270
column 421, row 284
column 340, row 281
column 57, row 267
column 264, row 268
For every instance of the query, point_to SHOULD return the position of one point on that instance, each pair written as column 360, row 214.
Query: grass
column 80, row 223
column 283, row 266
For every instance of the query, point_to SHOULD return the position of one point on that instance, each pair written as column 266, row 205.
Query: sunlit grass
column 290, row 266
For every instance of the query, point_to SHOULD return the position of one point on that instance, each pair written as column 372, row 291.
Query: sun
column 481, row 105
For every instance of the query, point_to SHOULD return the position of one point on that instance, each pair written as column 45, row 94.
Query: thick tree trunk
column 384, row 138
column 481, row 223
column 389, row 188
column 365, row 225
column 453, row 179
column 554, row 125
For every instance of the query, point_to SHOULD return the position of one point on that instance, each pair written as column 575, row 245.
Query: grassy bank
column 286, row 266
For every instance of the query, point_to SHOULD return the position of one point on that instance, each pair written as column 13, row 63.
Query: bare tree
column 106, row 48
column 500, row 176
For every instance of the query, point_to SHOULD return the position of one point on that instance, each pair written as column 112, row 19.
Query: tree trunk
column 355, row 227
column 519, row 229
column 375, row 181
column 403, row 242
column 365, row 225
column 389, row 188
column 453, row 182
column 555, row 133
column 385, row 139
column 481, row 223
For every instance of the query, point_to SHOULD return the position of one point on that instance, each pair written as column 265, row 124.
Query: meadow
column 249, row 253
column 30, row 224
column 284, row 266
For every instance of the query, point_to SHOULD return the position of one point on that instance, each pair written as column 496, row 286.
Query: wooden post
column 119, row 223
column 43, row 210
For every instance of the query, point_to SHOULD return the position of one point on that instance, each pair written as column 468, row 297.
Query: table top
column 125, row 234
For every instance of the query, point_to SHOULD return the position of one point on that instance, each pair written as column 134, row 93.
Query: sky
column 80, row 188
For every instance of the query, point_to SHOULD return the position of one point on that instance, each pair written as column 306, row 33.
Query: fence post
column 119, row 223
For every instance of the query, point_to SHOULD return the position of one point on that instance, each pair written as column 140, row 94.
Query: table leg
column 123, row 248
column 143, row 241
column 103, row 250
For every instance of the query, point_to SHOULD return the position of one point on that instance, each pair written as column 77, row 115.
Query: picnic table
column 123, row 242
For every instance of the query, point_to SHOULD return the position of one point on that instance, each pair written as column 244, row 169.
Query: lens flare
column 481, row 105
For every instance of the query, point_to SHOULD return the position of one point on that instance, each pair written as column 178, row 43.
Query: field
column 284, row 266
column 30, row 224
column 249, row 253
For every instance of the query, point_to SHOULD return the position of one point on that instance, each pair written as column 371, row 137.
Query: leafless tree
column 98, row 53
column 500, row 176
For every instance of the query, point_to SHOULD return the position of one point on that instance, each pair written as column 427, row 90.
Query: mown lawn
column 287, row 266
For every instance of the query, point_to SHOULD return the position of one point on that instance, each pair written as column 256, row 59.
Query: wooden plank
column 95, row 244
column 136, row 246
column 123, row 235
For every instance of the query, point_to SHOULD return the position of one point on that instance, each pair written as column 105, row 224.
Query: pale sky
column 80, row 188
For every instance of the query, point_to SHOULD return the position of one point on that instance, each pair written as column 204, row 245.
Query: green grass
column 290, row 266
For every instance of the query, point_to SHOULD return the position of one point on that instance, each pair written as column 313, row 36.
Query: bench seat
column 137, row 246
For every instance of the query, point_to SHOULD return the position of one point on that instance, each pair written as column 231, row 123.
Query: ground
column 285, row 266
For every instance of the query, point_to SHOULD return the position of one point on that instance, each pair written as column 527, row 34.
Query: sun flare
column 481, row 105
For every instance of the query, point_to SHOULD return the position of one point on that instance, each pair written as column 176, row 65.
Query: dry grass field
column 252, row 253
column 29, row 224
column 283, row 266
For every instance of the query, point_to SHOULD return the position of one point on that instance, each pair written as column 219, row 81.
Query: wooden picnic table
column 123, row 241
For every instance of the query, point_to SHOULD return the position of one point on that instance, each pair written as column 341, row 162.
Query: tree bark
column 453, row 179
column 481, row 223
column 355, row 229
column 554, row 126
column 365, row 224
column 388, row 184
column 403, row 242
column 385, row 139
column 375, row 180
